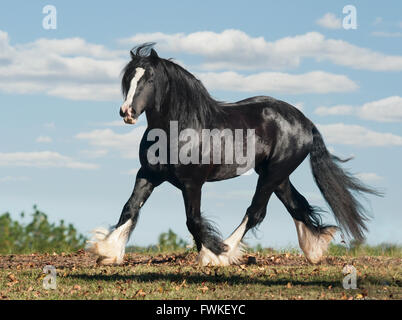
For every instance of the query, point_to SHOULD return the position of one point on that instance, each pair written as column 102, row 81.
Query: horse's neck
column 158, row 119
column 162, row 118
column 155, row 119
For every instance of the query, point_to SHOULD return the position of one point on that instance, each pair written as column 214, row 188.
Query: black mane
column 187, row 100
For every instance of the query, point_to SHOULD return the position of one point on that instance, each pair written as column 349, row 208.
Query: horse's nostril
column 121, row 113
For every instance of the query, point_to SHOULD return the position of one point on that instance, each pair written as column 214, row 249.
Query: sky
column 64, row 147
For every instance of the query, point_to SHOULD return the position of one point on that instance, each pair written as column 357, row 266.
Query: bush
column 170, row 241
column 39, row 235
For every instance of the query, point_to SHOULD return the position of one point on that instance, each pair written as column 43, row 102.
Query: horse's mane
column 188, row 100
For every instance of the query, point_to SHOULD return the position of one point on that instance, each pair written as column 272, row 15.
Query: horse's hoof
column 231, row 256
column 106, row 261
column 109, row 246
column 314, row 245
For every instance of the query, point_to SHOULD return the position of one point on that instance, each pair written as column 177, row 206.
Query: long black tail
column 337, row 187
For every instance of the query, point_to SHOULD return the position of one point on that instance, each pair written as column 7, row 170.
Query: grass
column 175, row 275
column 385, row 249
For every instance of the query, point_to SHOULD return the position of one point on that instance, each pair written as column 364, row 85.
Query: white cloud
column 335, row 110
column 384, row 34
column 50, row 125
column 133, row 171
column 384, row 110
column 97, row 153
column 75, row 69
column 330, row 21
column 72, row 47
column 369, row 176
column 13, row 179
column 116, row 123
column 236, row 50
column 43, row 139
column 340, row 133
column 299, row 105
column 331, row 149
column 313, row 197
column 311, row 82
column 94, row 92
column 44, row 159
column 70, row 68
column 377, row 21
column 126, row 143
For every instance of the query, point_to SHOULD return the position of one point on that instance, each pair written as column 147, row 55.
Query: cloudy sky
column 64, row 147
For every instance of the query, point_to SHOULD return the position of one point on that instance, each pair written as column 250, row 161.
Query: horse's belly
column 223, row 172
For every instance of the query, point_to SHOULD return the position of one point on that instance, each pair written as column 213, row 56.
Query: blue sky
column 64, row 147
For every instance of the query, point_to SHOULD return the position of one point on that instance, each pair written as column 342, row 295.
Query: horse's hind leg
column 255, row 214
column 313, row 237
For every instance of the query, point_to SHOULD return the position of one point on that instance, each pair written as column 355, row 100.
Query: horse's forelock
column 143, row 50
column 138, row 54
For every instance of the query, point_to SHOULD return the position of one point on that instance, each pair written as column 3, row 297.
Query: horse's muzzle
column 129, row 120
column 126, row 114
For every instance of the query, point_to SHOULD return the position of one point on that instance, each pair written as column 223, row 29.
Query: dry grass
column 176, row 276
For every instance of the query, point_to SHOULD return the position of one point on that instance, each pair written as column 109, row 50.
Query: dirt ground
column 177, row 276
column 84, row 259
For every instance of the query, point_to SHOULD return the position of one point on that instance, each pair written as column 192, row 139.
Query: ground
column 177, row 276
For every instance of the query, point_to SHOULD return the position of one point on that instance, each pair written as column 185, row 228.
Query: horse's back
column 251, row 100
column 282, row 130
column 265, row 110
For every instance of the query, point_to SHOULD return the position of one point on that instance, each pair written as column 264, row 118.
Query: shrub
column 39, row 235
column 170, row 241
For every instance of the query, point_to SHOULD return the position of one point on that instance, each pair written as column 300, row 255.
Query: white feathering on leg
column 314, row 246
column 110, row 245
column 236, row 247
column 234, row 253
column 207, row 257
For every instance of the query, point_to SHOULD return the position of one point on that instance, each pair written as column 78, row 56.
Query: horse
column 283, row 138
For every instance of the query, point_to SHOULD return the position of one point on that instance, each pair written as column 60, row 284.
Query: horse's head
column 142, row 84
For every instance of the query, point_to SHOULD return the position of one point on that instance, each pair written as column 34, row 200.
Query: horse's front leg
column 110, row 245
column 207, row 239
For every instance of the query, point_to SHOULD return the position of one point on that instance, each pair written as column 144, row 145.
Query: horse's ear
column 153, row 54
column 132, row 54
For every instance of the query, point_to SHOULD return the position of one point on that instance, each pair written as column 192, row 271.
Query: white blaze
column 139, row 72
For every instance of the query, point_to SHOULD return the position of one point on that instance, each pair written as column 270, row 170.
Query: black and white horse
column 284, row 137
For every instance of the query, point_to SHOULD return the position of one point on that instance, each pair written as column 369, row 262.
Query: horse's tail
column 336, row 186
